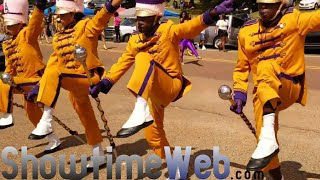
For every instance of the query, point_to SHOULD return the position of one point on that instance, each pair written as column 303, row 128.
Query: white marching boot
column 139, row 119
column 44, row 127
column 53, row 145
column 6, row 121
column 97, row 149
column 267, row 146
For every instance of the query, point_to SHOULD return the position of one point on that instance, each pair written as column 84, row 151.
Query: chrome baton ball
column 225, row 92
column 80, row 54
column 6, row 78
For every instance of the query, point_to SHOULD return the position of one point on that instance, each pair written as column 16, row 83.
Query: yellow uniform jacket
column 283, row 43
column 85, row 33
column 23, row 55
column 163, row 46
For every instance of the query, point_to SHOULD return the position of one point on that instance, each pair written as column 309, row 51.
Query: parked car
column 127, row 27
column 211, row 35
column 309, row 4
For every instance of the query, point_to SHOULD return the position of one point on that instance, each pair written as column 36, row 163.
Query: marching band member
column 23, row 61
column 272, row 48
column 157, row 78
column 64, row 71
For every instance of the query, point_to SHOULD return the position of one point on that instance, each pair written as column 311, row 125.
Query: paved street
column 200, row 119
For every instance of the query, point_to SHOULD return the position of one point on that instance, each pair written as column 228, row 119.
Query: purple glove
column 240, row 100
column 33, row 93
column 41, row 4
column 238, row 107
column 103, row 86
column 225, row 7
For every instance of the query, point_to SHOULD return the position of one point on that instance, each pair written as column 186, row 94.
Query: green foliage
column 31, row 2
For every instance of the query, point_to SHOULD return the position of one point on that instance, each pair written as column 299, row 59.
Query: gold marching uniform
column 24, row 63
column 275, row 56
column 64, row 71
column 158, row 75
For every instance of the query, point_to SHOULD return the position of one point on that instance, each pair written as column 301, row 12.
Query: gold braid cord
column 245, row 119
column 105, row 123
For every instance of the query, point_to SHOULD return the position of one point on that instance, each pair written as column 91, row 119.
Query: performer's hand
column 225, row 7
column 41, row 4
column 33, row 93
column 237, row 108
column 116, row 2
column 113, row 5
column 103, row 86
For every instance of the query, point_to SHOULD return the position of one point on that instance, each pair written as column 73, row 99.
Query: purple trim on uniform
column 110, row 8
column 63, row 75
column 55, row 99
column 28, row 84
column 241, row 95
column 288, row 77
column 14, row 52
column 270, row 47
column 267, row 32
column 67, row 32
column 274, row 56
column 290, row 10
column 150, row 1
column 67, row 53
column 9, row 47
column 61, row 39
column 65, row 45
column 163, row 69
column 250, row 22
column 267, row 40
column 146, row 79
column 206, row 18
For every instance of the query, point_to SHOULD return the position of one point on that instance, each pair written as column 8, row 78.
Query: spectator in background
column 49, row 23
column 116, row 24
column 222, row 26
column 175, row 4
column 202, row 40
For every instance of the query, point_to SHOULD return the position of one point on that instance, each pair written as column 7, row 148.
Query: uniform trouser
column 78, row 86
column 152, row 82
column 281, row 90
column 6, row 98
column 187, row 43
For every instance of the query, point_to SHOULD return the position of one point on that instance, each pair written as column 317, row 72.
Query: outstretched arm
column 192, row 28
column 97, row 24
column 33, row 28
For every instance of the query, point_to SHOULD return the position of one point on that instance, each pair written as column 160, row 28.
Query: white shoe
column 203, row 47
column 6, row 121
column 44, row 127
column 267, row 144
column 54, row 143
column 139, row 119
column 97, row 150
column 267, row 140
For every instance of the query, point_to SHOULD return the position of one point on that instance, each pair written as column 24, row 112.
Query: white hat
column 15, row 12
column 68, row 6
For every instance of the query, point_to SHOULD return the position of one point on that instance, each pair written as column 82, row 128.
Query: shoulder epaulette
column 289, row 10
column 165, row 20
column 250, row 22
column 135, row 32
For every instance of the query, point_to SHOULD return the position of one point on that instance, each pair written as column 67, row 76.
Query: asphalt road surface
column 200, row 120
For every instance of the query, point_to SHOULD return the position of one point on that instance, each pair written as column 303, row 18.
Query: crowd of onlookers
column 183, row 4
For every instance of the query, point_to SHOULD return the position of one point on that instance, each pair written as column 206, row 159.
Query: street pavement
column 200, row 119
